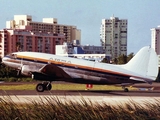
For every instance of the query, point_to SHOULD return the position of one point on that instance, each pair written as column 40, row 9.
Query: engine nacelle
column 40, row 76
column 27, row 69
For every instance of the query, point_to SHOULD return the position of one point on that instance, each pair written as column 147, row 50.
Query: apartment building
column 113, row 36
column 13, row 40
column 48, row 25
column 155, row 41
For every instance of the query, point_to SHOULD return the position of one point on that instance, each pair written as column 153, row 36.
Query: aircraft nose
column 4, row 59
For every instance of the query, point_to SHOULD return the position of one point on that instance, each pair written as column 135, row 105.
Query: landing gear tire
column 40, row 87
column 126, row 90
column 43, row 86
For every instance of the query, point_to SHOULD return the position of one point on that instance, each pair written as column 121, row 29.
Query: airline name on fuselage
column 60, row 60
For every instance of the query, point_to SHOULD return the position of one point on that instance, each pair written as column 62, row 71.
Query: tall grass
column 54, row 109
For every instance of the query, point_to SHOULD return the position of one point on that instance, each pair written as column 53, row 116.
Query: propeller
column 20, row 68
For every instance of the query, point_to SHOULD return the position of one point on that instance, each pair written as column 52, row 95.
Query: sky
column 142, row 15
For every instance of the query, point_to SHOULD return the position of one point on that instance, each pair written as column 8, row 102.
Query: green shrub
column 16, row 79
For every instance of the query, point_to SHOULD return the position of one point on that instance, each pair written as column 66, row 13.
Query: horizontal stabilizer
column 140, row 79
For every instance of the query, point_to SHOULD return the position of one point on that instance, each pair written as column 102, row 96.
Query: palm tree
column 122, row 59
column 130, row 56
column 18, row 45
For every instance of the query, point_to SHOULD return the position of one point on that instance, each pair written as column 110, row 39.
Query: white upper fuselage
column 44, row 58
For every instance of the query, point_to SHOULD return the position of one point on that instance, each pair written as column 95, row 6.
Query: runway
column 100, row 97
column 152, row 93
column 112, row 97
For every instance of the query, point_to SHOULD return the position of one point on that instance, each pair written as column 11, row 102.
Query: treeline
column 11, row 75
column 122, row 59
column 7, row 71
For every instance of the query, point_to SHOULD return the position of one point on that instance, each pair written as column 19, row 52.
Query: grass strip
column 32, row 86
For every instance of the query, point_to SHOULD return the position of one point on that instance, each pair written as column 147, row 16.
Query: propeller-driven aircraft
column 142, row 68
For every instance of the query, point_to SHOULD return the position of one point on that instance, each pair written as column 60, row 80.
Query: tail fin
column 145, row 63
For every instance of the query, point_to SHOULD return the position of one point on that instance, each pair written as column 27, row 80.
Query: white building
column 113, row 36
column 155, row 41
column 95, row 53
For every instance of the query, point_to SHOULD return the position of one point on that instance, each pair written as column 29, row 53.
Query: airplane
column 142, row 68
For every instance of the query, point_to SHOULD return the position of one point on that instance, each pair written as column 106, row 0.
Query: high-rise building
column 155, row 39
column 113, row 36
column 49, row 25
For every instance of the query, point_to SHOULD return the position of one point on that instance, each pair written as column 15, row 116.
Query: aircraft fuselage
column 85, row 72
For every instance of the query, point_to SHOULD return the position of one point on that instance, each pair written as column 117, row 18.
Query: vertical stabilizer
column 145, row 63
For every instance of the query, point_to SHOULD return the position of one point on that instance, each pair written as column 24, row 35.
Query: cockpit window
column 13, row 56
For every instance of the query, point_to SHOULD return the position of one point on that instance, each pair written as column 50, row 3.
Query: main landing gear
column 43, row 86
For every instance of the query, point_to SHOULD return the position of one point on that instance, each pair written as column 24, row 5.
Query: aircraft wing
column 51, row 71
